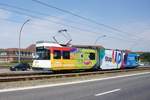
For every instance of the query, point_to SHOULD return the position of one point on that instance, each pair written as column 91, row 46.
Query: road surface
column 135, row 87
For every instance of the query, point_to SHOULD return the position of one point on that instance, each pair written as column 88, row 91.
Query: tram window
column 57, row 54
column 92, row 56
column 66, row 54
column 136, row 58
column 125, row 58
column 46, row 55
column 42, row 54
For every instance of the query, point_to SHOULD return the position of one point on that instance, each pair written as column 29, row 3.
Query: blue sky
column 130, row 16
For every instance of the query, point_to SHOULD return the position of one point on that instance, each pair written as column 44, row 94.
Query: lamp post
column 99, row 38
column 20, row 38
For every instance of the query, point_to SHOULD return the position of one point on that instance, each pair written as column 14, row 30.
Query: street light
column 20, row 37
column 99, row 38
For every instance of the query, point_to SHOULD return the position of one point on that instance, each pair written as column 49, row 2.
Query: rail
column 7, row 77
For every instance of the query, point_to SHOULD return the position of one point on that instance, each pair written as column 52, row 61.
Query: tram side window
column 92, row 56
column 66, row 54
column 57, row 54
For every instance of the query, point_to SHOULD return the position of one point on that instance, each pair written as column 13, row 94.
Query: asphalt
column 125, row 88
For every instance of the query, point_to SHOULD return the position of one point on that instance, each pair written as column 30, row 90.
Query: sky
column 125, row 23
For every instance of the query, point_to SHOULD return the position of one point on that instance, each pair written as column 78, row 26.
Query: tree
column 145, row 57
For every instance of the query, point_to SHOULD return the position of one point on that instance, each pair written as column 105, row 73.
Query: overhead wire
column 42, row 14
column 52, row 21
column 35, row 12
column 20, row 22
column 12, row 6
column 82, row 17
column 55, row 22
column 33, row 16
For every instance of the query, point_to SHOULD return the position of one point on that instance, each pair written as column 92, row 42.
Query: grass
column 7, row 64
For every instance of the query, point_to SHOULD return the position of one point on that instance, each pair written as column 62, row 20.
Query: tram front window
column 42, row 53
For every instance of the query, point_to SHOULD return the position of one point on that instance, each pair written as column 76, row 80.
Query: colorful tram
column 56, row 57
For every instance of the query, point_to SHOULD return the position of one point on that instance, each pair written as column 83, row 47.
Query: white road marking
column 115, row 90
column 69, row 83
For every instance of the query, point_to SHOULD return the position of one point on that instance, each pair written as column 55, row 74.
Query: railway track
column 11, row 77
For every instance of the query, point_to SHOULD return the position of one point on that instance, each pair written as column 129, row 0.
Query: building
column 11, row 54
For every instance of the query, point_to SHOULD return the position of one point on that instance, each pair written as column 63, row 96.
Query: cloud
column 4, row 14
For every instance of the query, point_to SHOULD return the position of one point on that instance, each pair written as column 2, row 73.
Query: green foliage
column 145, row 57
column 6, row 64
column 15, row 61
column 23, row 61
column 26, row 61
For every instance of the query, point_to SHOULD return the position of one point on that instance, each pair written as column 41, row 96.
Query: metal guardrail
column 42, row 75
